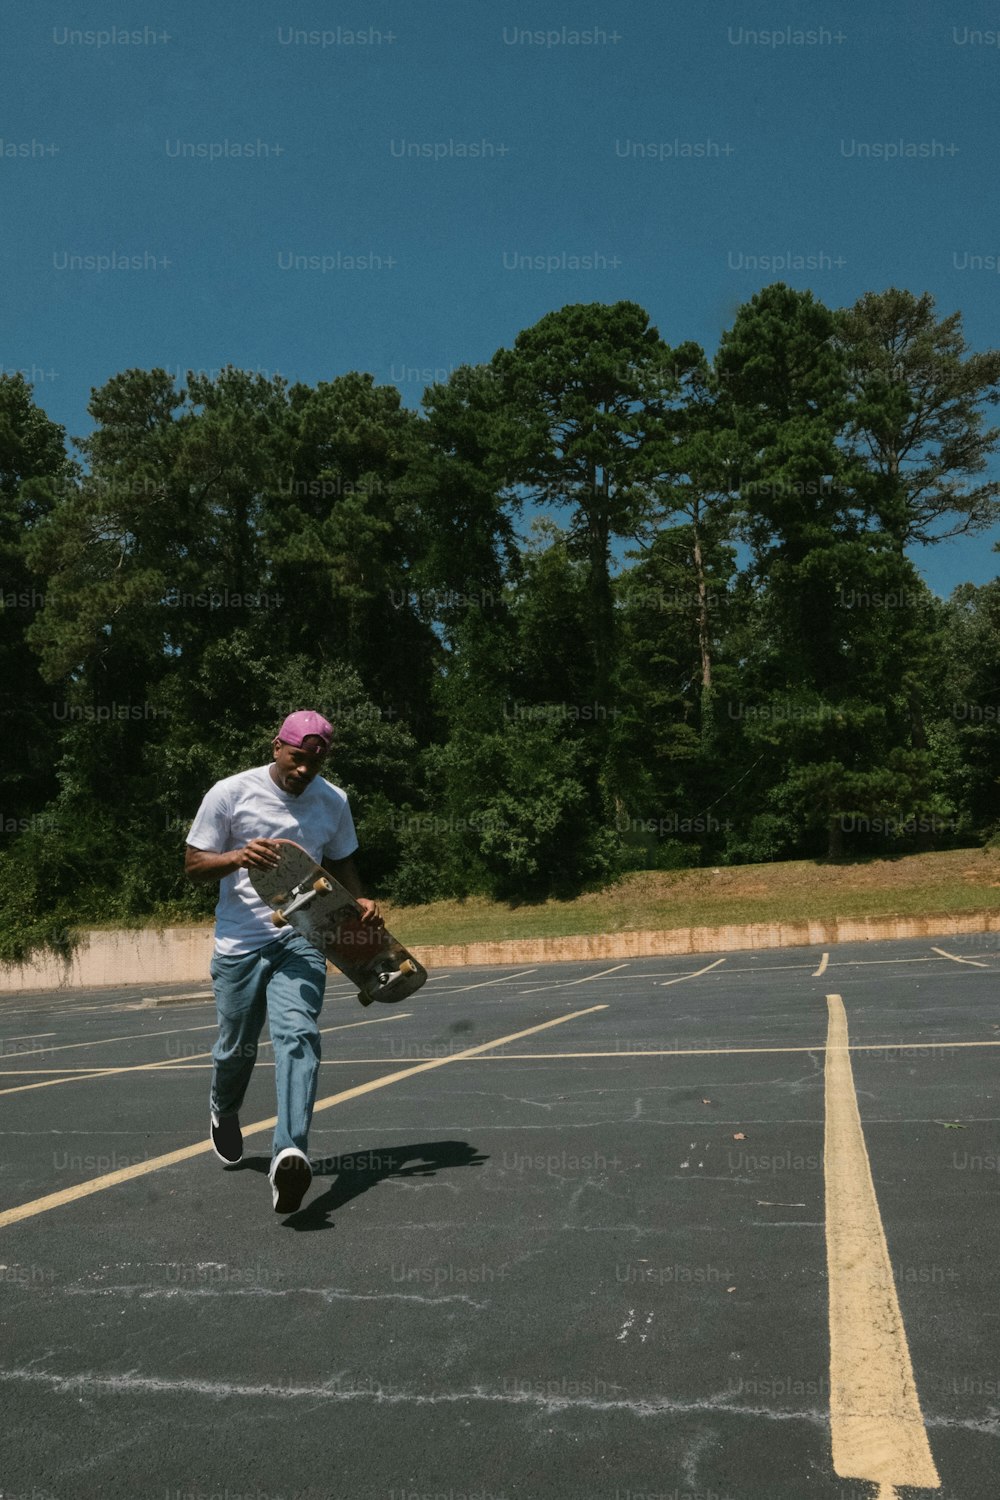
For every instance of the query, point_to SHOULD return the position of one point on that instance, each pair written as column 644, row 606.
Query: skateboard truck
column 337, row 925
column 387, row 979
column 390, row 976
column 301, row 896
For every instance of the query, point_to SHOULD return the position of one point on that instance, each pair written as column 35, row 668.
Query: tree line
column 602, row 603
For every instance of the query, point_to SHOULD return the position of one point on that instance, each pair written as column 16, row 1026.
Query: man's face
column 296, row 765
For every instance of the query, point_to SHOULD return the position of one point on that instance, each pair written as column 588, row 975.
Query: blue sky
column 400, row 190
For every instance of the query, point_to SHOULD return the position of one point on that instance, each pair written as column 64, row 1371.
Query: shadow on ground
column 358, row 1171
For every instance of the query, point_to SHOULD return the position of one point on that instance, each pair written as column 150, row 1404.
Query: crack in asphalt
column 328, row 1294
column 529, row 1393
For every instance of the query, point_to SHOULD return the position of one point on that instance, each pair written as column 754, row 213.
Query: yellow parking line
column 822, row 966
column 173, row 1062
column 485, row 983
column 47, row 1072
column 695, row 975
column 956, row 960
column 876, row 1425
column 692, row 1052
column 192, row 1063
column 588, row 977
column 84, row 1077
column 142, row 1168
column 567, row 984
column 347, row 1062
column 137, row 1036
column 153, row 1001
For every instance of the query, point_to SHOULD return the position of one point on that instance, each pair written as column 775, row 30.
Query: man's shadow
column 355, row 1172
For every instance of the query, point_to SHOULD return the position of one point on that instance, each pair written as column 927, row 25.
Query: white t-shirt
column 251, row 805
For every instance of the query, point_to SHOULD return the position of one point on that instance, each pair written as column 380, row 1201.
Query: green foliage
column 34, row 918
column 34, row 469
column 968, row 727
column 915, row 427
column 518, row 797
column 579, row 399
column 765, row 838
column 515, row 718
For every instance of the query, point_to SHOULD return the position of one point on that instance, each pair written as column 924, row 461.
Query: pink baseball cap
column 300, row 725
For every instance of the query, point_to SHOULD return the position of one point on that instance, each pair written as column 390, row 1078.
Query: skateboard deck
column 303, row 895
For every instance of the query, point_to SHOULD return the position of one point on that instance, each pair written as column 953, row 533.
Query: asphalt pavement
column 567, row 1237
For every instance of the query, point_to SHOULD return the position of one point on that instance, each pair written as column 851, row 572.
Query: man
column 256, row 969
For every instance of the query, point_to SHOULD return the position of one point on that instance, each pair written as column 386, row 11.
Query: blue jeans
column 285, row 980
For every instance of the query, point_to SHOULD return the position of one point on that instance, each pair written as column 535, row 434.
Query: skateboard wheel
column 279, row 919
column 322, row 884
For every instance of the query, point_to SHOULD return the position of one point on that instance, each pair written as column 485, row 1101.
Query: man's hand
column 201, row 865
column 370, row 911
column 262, row 854
column 346, row 872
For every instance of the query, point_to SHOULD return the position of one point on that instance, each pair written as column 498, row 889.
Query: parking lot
column 583, row 1230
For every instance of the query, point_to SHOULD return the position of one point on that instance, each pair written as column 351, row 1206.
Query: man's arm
column 346, row 871
column 203, row 867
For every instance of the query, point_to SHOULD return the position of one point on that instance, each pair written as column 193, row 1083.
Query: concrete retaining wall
column 181, row 955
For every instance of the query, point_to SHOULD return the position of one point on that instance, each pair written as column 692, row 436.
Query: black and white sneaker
column 227, row 1138
column 290, row 1177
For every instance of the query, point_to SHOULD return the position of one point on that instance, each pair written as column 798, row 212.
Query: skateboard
column 305, row 896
